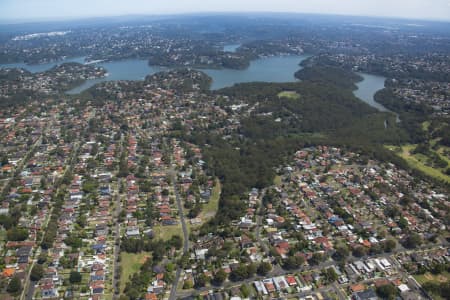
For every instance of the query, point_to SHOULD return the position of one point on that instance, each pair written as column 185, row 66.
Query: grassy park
column 131, row 263
column 418, row 161
column 289, row 94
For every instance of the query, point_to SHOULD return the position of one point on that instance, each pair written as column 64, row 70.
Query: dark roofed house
column 97, row 290
column 206, row 195
column 97, row 277
column 24, row 251
column 98, row 247
column 365, row 295
column 23, row 260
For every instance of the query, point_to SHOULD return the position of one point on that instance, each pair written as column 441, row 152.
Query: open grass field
column 441, row 151
column 2, row 235
column 427, row 277
column 426, row 125
column 289, row 94
column 444, row 277
column 166, row 232
column 417, row 161
column 277, row 180
column 131, row 264
column 209, row 209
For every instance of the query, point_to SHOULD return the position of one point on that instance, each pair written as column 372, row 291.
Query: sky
column 69, row 9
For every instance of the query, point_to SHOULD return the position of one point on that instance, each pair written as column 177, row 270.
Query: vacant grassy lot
column 444, row 277
column 277, row 180
column 209, row 209
column 289, row 95
column 166, row 232
column 131, row 264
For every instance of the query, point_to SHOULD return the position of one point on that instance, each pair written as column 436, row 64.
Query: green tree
column 75, row 277
column 264, row 268
column 4, row 159
column 176, row 241
column 387, row 291
column 17, row 234
column 438, row 268
column 42, row 258
column 220, row 277
column 330, row 275
column 403, row 223
column 245, row 290
column 73, row 241
column 412, row 241
column 432, row 287
column 14, row 286
column 251, row 270
column 37, row 272
column 293, row 262
column 359, row 251
column 316, row 258
column 188, row 284
column 201, row 280
column 133, row 294
column 243, row 272
column 390, row 245
column 342, row 252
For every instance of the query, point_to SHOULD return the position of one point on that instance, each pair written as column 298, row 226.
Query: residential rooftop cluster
column 330, row 211
column 119, row 191
column 21, row 83
column 431, row 93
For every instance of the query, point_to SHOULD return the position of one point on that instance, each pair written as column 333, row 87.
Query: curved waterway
column 368, row 87
column 270, row 69
column 36, row 68
column 130, row 69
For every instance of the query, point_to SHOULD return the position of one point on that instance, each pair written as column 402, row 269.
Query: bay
column 270, row 69
column 231, row 47
column 130, row 69
column 37, row 68
column 368, row 87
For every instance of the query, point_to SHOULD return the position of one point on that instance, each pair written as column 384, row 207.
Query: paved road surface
column 173, row 291
column 116, row 264
column 29, row 286
column 30, row 291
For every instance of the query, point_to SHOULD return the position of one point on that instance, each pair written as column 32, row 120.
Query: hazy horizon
column 49, row 10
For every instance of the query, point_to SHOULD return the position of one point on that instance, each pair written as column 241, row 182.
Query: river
column 130, row 69
column 368, row 87
column 36, row 68
column 270, row 69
